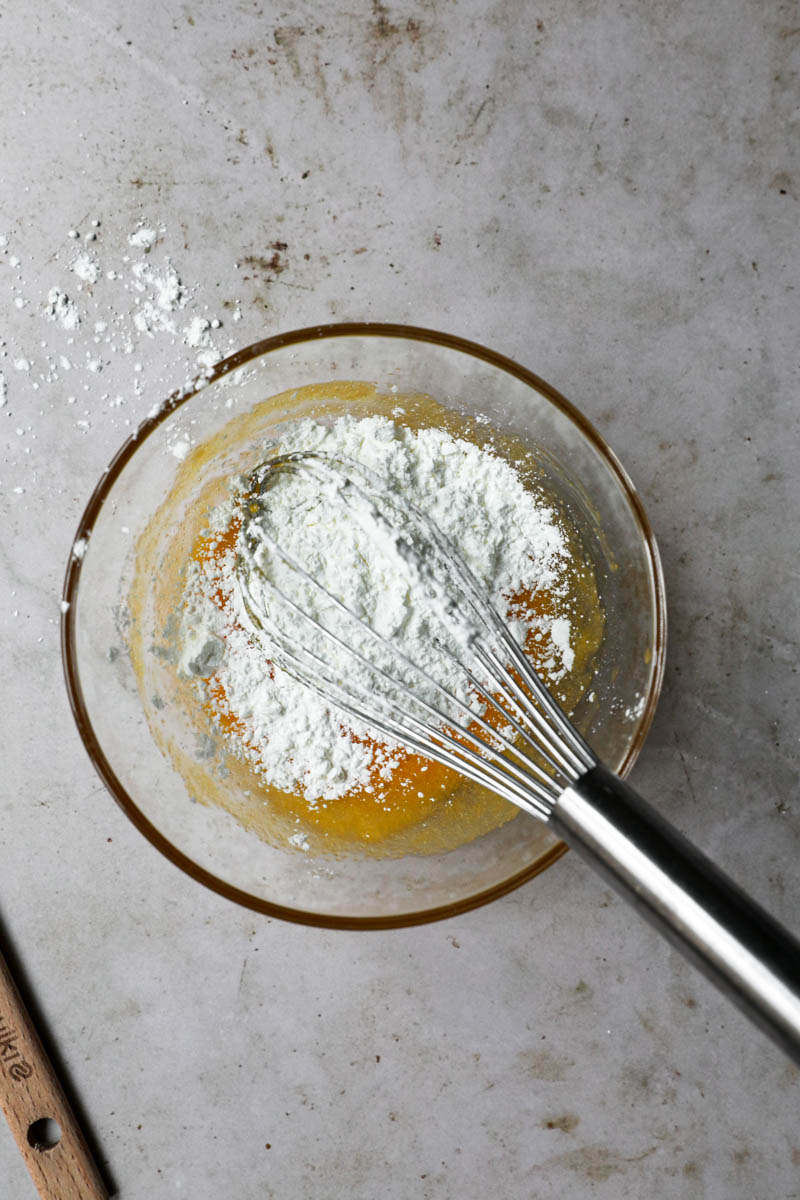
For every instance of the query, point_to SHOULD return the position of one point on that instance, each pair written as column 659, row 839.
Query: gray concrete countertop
column 607, row 192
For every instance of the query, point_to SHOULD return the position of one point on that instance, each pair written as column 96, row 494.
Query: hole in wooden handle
column 44, row 1134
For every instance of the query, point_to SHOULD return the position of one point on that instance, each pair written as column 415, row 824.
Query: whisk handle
column 702, row 912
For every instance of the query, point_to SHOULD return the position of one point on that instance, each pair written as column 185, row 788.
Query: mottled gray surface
column 607, row 192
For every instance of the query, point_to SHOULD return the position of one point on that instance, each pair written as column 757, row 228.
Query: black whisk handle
column 730, row 938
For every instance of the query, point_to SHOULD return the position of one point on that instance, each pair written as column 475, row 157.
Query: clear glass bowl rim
column 103, row 489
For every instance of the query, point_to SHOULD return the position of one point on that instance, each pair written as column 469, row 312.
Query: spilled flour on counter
column 105, row 328
column 508, row 535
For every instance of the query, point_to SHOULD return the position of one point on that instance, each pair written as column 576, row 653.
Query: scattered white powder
column 105, row 306
column 560, row 635
column 198, row 332
column 143, row 238
column 634, row 710
column 164, row 293
column 507, row 535
column 207, row 359
column 86, row 269
column 62, row 309
column 122, row 296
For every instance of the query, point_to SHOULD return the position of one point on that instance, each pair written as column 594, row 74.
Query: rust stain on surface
column 596, row 1163
column 782, row 183
column 383, row 27
column 266, row 266
column 396, row 48
column 543, row 1064
column 286, row 39
column 565, row 1123
column 243, row 56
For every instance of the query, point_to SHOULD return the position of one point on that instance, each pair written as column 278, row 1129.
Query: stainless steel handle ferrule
column 733, row 941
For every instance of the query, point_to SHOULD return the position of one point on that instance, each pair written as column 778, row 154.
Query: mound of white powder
column 509, row 536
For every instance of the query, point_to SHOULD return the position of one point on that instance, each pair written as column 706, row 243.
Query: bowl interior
column 97, row 635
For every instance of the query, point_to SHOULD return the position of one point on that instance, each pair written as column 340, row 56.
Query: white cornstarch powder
column 508, row 535
column 110, row 308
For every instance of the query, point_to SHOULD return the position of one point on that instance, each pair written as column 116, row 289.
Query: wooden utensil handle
column 37, row 1110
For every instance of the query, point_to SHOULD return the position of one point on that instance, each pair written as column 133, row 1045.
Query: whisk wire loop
column 528, row 777
column 531, row 767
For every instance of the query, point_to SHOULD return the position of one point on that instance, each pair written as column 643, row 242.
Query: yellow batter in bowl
column 421, row 808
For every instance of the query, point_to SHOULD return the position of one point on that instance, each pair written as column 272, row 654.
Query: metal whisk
column 500, row 727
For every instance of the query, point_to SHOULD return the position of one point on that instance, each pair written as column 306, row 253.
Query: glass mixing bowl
column 350, row 891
